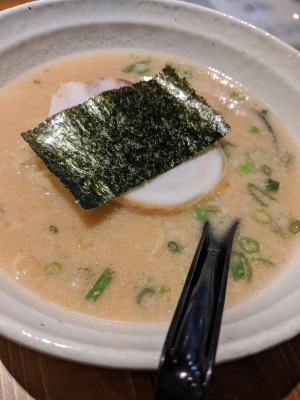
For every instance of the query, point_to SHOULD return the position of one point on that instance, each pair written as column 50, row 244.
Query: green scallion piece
column 174, row 247
column 246, row 168
column 238, row 270
column 295, row 226
column 1, row 210
column 240, row 266
column 53, row 228
column 164, row 289
column 262, row 216
column 264, row 112
column 145, row 291
column 273, row 185
column 254, row 129
column 264, row 262
column 250, row 245
column 37, row 81
column 213, row 209
column 139, row 67
column 239, row 96
column 54, row 268
column 257, row 192
column 243, row 168
column 287, row 159
column 266, row 170
column 276, row 228
column 100, row 285
column 200, row 212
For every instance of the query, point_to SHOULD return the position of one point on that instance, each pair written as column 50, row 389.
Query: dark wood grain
column 26, row 374
column 271, row 375
column 11, row 3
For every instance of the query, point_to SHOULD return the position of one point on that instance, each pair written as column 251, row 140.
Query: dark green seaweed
column 121, row 138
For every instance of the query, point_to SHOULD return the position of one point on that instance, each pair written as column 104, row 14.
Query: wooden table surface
column 26, row 374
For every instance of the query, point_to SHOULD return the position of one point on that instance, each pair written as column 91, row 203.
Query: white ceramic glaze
column 41, row 31
column 280, row 18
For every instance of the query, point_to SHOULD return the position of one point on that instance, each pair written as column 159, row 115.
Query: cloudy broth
column 42, row 225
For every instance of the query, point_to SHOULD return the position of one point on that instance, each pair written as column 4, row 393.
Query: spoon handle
column 190, row 348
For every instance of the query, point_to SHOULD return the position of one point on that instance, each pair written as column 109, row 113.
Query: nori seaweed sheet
column 121, row 138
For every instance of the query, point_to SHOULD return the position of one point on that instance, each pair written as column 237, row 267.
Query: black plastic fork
column 190, row 348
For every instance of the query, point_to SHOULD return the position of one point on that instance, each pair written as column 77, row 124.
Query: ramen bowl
column 36, row 33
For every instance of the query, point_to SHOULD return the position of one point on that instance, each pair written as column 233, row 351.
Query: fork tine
column 189, row 352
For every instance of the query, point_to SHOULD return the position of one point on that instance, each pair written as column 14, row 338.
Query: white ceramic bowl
column 34, row 33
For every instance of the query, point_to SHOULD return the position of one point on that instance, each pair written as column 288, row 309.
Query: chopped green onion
column 237, row 96
column 265, row 218
column 200, row 212
column 250, row 245
column 139, row 67
column 148, row 291
column 272, row 185
column 295, row 226
column 100, row 285
column 213, row 209
column 54, row 268
column 164, row 289
column 37, row 81
column 276, row 228
column 63, row 256
column 266, row 170
column 238, row 270
column 145, row 291
column 264, row 112
column 239, row 263
column 287, row 159
column 264, row 262
column 254, row 129
column 262, row 216
column 1, row 210
column 253, row 190
column 53, row 228
column 243, row 168
column 174, row 247
column 246, row 168
column 85, row 242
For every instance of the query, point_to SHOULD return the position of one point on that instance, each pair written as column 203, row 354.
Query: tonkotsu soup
column 58, row 251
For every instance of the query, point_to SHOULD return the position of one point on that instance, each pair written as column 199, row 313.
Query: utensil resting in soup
column 127, row 260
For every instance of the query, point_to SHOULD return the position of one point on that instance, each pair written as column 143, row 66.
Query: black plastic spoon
column 190, row 348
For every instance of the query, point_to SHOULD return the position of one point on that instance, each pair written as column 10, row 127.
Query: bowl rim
column 139, row 355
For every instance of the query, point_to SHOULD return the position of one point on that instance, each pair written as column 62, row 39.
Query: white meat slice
column 73, row 93
column 181, row 184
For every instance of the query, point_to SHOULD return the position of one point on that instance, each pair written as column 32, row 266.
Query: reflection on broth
column 59, row 251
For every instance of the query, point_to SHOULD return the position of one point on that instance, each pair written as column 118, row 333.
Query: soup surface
column 57, row 250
